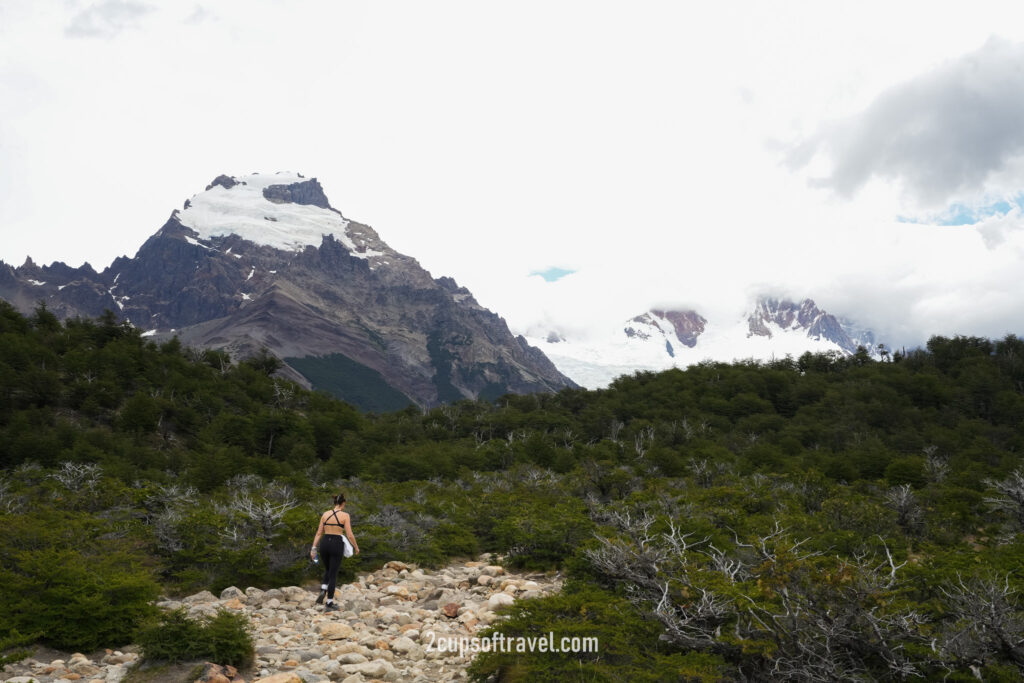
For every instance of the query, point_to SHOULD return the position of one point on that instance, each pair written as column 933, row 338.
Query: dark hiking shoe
column 320, row 598
column 333, row 607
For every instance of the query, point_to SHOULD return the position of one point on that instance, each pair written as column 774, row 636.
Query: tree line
column 823, row 517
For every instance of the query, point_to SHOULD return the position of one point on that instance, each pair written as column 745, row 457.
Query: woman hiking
column 335, row 527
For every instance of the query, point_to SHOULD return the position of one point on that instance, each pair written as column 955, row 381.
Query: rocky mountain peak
column 227, row 182
column 686, row 325
column 773, row 316
column 306, row 192
column 264, row 262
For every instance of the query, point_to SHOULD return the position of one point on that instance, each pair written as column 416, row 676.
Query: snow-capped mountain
column 772, row 317
column 661, row 339
column 264, row 261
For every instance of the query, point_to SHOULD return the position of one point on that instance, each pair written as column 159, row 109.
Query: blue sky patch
column 963, row 214
column 552, row 274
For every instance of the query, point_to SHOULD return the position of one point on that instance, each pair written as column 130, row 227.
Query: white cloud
column 627, row 144
column 198, row 15
column 942, row 133
column 107, row 19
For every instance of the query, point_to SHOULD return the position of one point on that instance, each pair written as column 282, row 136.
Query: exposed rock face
column 309, row 193
column 687, row 325
column 780, row 315
column 348, row 314
column 227, row 182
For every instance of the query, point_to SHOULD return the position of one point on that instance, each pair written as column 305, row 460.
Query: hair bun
column 339, row 499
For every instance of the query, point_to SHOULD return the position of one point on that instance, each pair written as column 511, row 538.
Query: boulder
column 499, row 600
column 283, row 677
column 378, row 668
column 254, row 594
column 232, row 592
column 200, row 598
column 332, row 630
column 352, row 658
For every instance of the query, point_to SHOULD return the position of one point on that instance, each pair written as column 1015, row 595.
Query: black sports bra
column 334, row 515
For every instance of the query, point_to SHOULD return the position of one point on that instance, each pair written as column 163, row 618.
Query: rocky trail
column 396, row 624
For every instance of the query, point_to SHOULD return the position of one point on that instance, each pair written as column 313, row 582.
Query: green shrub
column 540, row 535
column 627, row 645
column 228, row 639
column 174, row 637
column 77, row 602
column 13, row 645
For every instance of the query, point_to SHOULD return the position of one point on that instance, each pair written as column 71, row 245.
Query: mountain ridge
column 662, row 338
column 265, row 262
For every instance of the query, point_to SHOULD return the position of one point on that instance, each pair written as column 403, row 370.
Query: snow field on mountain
column 243, row 210
column 595, row 363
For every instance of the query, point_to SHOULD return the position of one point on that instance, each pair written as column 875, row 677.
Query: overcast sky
column 868, row 155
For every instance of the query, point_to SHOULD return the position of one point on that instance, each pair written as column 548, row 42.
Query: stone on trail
column 378, row 668
column 499, row 600
column 199, row 598
column 283, row 677
column 332, row 630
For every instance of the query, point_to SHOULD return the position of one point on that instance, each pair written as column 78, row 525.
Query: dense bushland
column 820, row 518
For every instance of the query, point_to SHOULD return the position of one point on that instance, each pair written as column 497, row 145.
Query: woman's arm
column 316, row 539
column 348, row 533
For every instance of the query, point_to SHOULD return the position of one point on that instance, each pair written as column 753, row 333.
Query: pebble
column 386, row 629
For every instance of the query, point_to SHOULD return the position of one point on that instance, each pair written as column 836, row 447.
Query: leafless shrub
column 985, row 621
column 936, row 467
column 29, row 472
column 615, row 429
column 642, row 441
column 1009, row 498
column 405, row 530
column 165, row 529
column 819, row 630
column 909, row 514
column 315, row 475
column 284, row 394
column 702, row 472
column 8, row 501
column 516, row 435
column 261, row 518
column 78, row 476
column 170, row 495
column 244, row 482
column 535, row 476
column 280, row 491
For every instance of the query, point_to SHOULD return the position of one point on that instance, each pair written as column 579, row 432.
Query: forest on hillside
column 816, row 518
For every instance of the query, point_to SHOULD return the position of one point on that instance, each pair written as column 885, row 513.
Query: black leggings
column 331, row 551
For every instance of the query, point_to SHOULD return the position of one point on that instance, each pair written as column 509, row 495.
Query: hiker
column 338, row 541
